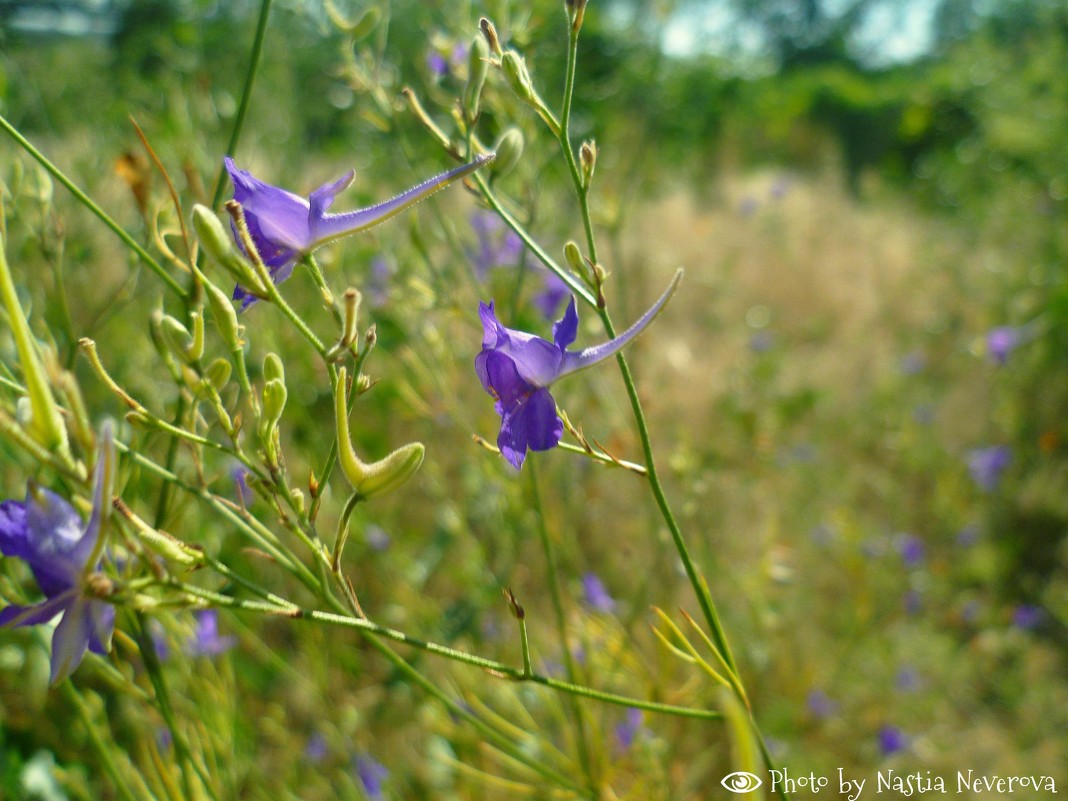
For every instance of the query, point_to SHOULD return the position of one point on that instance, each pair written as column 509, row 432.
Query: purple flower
column 206, row 640
column 761, row 341
column 436, row 63
column 63, row 553
column 820, row 705
column 316, row 749
column 1001, row 342
column 498, row 245
column 892, row 740
column 987, row 464
column 629, row 729
column 912, row 550
column 907, row 679
column 748, row 206
column 377, row 538
column 239, row 473
column 595, row 594
column 912, row 363
column 517, row 369
column 372, row 775
column 1027, row 616
column 284, row 226
column 548, row 300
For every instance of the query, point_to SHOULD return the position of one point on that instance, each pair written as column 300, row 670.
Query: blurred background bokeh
column 859, row 397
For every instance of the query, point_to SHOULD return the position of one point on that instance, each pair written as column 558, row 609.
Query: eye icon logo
column 741, row 782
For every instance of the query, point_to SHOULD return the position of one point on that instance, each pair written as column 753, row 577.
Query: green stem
column 84, row 199
column 496, row 668
column 246, row 97
column 103, row 751
column 574, row 710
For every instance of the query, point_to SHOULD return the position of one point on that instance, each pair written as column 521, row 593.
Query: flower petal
column 281, row 216
column 328, row 227
column 70, row 641
column 532, row 424
column 15, row 616
column 591, row 356
column 53, row 532
column 566, row 328
column 323, row 197
column 14, row 534
column 500, row 378
column 102, row 620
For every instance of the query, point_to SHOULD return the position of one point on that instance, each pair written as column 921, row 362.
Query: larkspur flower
column 517, row 368
column 64, row 555
column 596, row 595
column 891, row 740
column 284, row 226
column 820, row 705
column 912, row 550
column 629, row 729
column 987, row 464
column 372, row 775
column 1027, row 616
column 553, row 292
column 498, row 245
column 1001, row 342
column 206, row 640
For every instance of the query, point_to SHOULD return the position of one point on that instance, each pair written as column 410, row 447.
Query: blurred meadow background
column 857, row 398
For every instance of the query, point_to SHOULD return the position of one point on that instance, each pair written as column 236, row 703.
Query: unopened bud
column 490, row 34
column 576, row 10
column 225, row 316
column 588, row 160
column 272, row 368
column 176, row 336
column 218, row 373
column 298, row 500
column 361, row 384
column 274, row 401
column 219, row 245
column 351, row 300
column 370, row 339
column 477, row 69
column 376, row 478
column 517, row 76
column 509, row 149
column 573, row 257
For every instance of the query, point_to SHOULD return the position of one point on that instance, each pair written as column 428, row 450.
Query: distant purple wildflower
column 372, row 775
column 376, row 288
column 913, row 602
column 436, row 63
column 968, row 536
column 498, row 245
column 316, row 749
column 595, row 594
column 284, row 226
column 892, row 740
column 987, row 464
column 1001, row 342
column 517, row 368
column 554, row 292
column 907, row 679
column 47, row 534
column 913, row 362
column 912, row 550
column 1027, row 616
column 239, row 474
column 628, row 729
column 206, row 640
column 377, row 538
column 761, row 341
column 780, row 187
column 748, row 206
column 820, row 705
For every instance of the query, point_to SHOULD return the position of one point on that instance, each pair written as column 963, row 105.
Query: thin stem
column 493, row 667
column 84, row 199
column 103, row 751
column 246, row 97
column 574, row 710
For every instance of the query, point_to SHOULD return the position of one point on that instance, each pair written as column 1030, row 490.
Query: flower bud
column 176, row 337
column 573, row 257
column 477, row 69
column 376, row 478
column 588, row 160
column 272, row 368
column 298, row 500
column 275, row 395
column 351, row 300
column 509, row 149
column 219, row 245
column 490, row 34
column 576, row 10
column 218, row 373
column 517, row 77
column 225, row 316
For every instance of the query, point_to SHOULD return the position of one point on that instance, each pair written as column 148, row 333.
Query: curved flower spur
column 284, row 226
column 64, row 554
column 517, row 368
